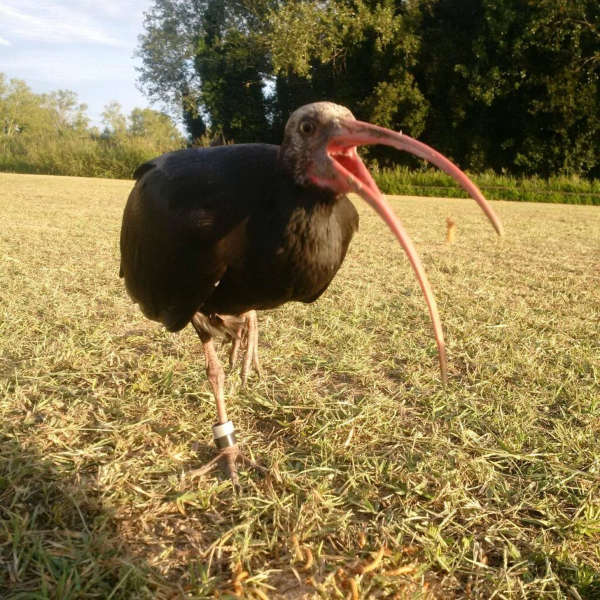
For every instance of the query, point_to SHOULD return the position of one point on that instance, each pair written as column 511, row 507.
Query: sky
column 86, row 46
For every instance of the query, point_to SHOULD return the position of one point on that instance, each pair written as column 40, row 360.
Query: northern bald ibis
column 210, row 235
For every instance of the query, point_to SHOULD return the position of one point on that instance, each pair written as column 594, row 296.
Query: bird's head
column 319, row 149
column 305, row 147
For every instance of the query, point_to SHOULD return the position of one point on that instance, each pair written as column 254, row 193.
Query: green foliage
column 230, row 62
column 154, row 126
column 514, row 85
column 506, row 85
column 49, row 133
column 115, row 122
column 168, row 49
column 431, row 182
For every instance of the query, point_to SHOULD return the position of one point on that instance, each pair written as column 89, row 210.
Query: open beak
column 352, row 175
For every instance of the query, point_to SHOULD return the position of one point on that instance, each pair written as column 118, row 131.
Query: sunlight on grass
column 383, row 484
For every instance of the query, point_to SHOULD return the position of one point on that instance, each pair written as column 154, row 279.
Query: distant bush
column 431, row 182
column 83, row 157
column 50, row 134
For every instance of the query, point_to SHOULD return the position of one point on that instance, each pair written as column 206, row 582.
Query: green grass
column 486, row 489
column 432, row 182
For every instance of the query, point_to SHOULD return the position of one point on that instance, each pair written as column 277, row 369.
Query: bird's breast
column 289, row 256
column 314, row 247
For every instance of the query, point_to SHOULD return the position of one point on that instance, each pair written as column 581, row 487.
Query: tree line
column 507, row 85
column 51, row 133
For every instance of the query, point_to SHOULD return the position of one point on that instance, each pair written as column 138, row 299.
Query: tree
column 513, row 85
column 173, row 29
column 67, row 113
column 114, row 120
column 204, row 61
column 21, row 111
column 155, row 127
column 231, row 63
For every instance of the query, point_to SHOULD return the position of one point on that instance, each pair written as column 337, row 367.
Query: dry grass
column 384, row 484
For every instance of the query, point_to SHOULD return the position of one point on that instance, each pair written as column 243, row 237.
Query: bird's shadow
column 60, row 538
column 57, row 533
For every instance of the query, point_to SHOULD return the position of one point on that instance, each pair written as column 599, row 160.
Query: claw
column 228, row 457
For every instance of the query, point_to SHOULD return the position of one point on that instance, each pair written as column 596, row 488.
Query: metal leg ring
column 224, row 435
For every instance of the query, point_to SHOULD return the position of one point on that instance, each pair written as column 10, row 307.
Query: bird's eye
column 307, row 127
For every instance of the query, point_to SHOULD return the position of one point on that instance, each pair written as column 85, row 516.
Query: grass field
column 383, row 484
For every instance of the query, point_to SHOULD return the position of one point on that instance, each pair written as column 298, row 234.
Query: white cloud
column 55, row 23
column 83, row 45
column 114, row 9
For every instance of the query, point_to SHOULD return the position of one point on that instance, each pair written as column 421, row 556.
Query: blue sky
column 82, row 45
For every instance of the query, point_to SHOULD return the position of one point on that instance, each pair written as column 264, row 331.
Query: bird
column 211, row 235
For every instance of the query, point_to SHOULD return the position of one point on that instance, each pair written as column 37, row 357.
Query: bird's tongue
column 353, row 169
column 352, row 172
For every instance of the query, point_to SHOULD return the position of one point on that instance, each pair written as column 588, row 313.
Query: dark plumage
column 226, row 230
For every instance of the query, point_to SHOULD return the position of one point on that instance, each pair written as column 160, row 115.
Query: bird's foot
column 228, row 458
column 247, row 337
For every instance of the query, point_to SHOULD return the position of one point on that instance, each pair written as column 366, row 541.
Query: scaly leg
column 247, row 335
column 216, row 377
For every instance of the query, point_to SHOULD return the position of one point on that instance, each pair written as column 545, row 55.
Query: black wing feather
column 184, row 222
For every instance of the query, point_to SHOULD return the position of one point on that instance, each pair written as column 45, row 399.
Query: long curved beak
column 354, row 176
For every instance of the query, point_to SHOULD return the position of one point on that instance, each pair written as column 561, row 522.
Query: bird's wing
column 185, row 222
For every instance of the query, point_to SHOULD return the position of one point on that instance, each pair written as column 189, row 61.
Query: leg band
column 224, row 435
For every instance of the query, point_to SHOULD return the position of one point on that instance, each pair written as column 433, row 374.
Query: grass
column 431, row 182
column 384, row 484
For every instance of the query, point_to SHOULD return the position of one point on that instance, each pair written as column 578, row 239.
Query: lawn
column 382, row 484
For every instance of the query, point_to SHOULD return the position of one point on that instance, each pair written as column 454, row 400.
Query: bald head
column 319, row 113
column 306, row 134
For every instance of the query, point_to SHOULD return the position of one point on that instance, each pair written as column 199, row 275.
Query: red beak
column 352, row 175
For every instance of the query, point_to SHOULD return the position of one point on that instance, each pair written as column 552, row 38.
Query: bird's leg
column 251, row 357
column 236, row 344
column 223, row 431
column 247, row 335
column 216, row 378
